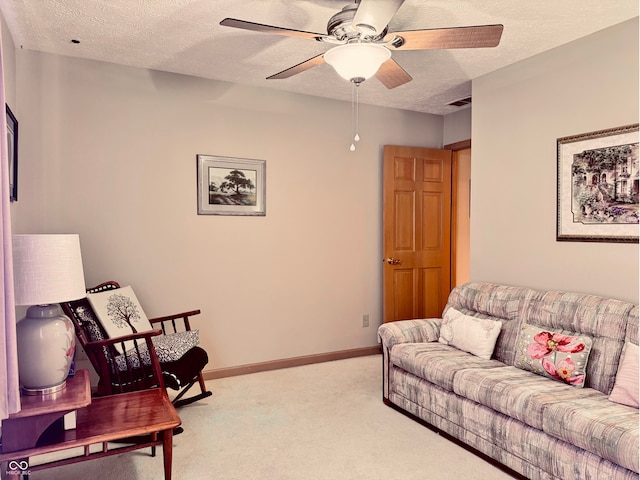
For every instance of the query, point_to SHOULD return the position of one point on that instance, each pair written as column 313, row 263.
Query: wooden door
column 417, row 232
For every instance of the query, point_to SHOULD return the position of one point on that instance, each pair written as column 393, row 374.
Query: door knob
column 393, row 261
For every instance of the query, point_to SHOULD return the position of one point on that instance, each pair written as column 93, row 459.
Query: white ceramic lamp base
column 46, row 343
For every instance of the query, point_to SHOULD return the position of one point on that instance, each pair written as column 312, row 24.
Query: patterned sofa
column 503, row 405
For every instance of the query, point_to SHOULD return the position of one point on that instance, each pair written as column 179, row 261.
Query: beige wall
column 518, row 113
column 110, row 153
column 457, row 126
column 8, row 66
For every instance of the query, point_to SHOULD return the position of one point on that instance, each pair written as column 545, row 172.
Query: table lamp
column 47, row 270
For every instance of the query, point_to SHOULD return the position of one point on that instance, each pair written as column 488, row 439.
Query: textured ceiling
column 184, row 36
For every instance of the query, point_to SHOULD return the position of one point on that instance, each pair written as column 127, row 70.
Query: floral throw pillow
column 552, row 354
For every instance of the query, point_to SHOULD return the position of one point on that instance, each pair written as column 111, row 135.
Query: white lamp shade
column 47, row 269
column 357, row 62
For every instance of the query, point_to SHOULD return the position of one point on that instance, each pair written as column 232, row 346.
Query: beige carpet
column 324, row 421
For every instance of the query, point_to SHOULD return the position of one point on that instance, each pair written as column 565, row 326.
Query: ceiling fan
column 363, row 44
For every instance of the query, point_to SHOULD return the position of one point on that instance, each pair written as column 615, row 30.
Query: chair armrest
column 170, row 320
column 409, row 331
column 107, row 342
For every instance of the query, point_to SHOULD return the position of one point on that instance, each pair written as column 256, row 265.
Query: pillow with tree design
column 120, row 313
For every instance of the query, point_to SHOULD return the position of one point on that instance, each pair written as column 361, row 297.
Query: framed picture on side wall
column 12, row 149
column 598, row 186
column 231, row 186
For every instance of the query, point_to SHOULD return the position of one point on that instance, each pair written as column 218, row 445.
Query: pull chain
column 355, row 114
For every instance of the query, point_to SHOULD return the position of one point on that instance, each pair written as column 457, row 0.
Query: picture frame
column 231, row 186
column 598, row 186
column 12, row 150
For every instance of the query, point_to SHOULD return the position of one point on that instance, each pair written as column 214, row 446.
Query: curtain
column 9, row 385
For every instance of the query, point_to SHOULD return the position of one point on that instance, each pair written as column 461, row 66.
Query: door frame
column 454, row 147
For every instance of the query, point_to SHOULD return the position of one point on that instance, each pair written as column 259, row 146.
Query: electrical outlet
column 365, row 319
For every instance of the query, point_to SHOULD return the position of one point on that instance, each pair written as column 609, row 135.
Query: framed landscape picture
column 598, row 186
column 231, row 186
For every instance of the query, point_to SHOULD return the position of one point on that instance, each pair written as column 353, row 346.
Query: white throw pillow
column 120, row 313
column 474, row 335
column 625, row 390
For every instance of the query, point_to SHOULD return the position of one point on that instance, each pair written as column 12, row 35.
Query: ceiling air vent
column 461, row 103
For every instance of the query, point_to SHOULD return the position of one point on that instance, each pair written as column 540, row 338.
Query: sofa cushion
column 514, row 392
column 553, row 354
column 625, row 390
column 436, row 362
column 474, row 335
column 604, row 428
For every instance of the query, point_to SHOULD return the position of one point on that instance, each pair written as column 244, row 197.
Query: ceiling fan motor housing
column 341, row 27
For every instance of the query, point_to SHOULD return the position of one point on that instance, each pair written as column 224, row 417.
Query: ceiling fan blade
column 373, row 16
column 455, row 37
column 392, row 75
column 299, row 68
column 259, row 27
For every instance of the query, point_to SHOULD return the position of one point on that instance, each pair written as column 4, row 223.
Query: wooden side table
column 23, row 429
column 99, row 421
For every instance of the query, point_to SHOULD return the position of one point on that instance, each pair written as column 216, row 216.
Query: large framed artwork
column 12, row 149
column 598, row 186
column 231, row 186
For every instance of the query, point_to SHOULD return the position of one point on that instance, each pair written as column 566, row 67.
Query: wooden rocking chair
column 124, row 372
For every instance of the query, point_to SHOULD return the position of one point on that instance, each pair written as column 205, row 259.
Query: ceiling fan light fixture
column 356, row 62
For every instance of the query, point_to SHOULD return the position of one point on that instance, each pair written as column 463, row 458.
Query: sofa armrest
column 409, row 331
column 404, row 331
